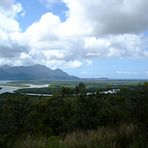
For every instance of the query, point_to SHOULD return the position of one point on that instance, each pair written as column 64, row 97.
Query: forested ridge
column 74, row 119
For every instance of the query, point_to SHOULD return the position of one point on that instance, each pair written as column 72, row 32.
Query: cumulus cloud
column 108, row 17
column 92, row 29
column 126, row 45
column 10, row 49
column 11, row 8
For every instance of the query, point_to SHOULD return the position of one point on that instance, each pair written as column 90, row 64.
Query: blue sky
column 83, row 38
column 34, row 9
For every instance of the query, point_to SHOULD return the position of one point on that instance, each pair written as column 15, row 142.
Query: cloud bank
column 92, row 29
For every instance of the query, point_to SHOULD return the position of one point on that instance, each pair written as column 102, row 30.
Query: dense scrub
column 75, row 121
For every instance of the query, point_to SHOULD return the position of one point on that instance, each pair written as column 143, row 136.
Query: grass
column 124, row 136
column 105, row 137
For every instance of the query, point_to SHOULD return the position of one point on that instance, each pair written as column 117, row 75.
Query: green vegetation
column 73, row 119
column 91, row 85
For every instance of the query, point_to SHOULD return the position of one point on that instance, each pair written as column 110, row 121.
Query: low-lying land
column 92, row 85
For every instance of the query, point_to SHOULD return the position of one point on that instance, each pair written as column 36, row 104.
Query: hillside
column 34, row 72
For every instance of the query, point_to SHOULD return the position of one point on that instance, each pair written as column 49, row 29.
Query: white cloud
column 11, row 8
column 10, row 49
column 92, row 29
column 45, row 29
column 74, row 64
column 8, row 24
column 108, row 17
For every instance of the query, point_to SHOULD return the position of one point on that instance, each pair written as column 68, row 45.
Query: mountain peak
column 39, row 66
column 58, row 69
column 35, row 72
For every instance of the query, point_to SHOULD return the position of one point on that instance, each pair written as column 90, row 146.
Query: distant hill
column 34, row 72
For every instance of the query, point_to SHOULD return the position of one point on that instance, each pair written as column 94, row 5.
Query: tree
column 80, row 89
column 65, row 91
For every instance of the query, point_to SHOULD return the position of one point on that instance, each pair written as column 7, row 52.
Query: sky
column 86, row 38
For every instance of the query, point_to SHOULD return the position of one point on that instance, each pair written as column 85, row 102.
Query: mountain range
column 34, row 72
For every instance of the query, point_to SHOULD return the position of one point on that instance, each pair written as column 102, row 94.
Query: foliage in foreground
column 102, row 120
column 124, row 136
